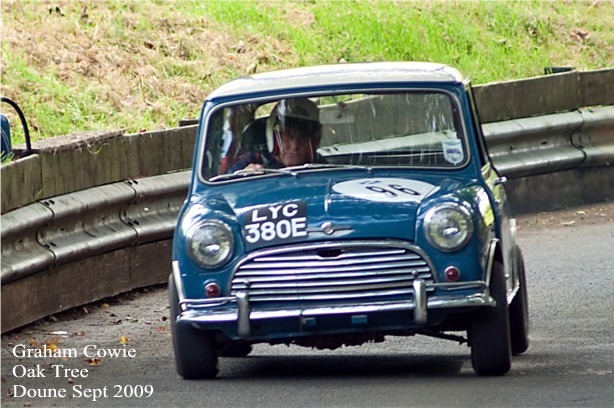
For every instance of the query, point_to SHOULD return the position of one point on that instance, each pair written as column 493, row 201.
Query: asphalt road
column 570, row 362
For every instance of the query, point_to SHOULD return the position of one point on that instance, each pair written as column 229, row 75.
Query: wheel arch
column 495, row 254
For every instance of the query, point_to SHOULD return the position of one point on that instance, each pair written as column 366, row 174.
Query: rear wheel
column 489, row 333
column 519, row 311
column 195, row 355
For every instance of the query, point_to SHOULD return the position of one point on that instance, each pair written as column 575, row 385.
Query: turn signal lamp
column 452, row 273
column 213, row 290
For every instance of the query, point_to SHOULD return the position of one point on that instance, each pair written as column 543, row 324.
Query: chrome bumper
column 202, row 311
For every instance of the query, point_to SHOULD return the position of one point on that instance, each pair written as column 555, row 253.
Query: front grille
column 329, row 272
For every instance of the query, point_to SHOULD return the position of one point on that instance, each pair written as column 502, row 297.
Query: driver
column 293, row 133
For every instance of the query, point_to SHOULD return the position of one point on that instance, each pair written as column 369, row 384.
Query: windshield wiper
column 330, row 166
column 290, row 171
column 249, row 173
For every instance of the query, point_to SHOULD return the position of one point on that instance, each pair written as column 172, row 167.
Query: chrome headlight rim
column 464, row 212
column 199, row 227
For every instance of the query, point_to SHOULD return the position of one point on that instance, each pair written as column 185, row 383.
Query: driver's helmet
column 301, row 113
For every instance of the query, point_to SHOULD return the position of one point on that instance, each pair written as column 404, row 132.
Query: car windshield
column 287, row 135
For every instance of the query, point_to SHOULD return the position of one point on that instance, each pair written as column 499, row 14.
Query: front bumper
column 241, row 318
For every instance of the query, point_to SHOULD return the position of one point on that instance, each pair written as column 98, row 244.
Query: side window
column 214, row 145
column 231, row 131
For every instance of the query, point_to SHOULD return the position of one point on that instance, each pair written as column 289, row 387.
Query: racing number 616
column 392, row 190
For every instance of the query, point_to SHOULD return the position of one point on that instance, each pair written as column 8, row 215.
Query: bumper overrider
column 238, row 314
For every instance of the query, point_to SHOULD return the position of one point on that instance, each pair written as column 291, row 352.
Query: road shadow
column 362, row 366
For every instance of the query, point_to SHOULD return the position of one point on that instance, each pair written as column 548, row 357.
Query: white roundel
column 388, row 190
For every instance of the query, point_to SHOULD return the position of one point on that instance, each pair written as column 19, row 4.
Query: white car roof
column 339, row 74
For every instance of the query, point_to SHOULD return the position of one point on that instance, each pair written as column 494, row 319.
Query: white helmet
column 300, row 112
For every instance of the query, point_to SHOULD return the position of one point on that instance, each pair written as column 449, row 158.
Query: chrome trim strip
column 515, row 273
column 231, row 316
column 451, row 286
column 179, row 284
column 243, row 314
column 491, row 259
column 513, row 229
column 204, row 303
column 420, row 312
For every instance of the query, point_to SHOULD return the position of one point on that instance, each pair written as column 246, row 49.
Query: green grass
column 147, row 64
column 488, row 40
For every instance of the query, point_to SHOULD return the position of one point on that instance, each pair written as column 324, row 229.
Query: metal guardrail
column 596, row 137
column 21, row 251
column 71, row 228
column 552, row 143
column 78, row 225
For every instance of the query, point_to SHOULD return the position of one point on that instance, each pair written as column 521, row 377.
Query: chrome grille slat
column 346, row 296
column 341, row 256
column 328, row 262
column 346, row 268
column 274, row 277
column 331, row 272
column 355, row 283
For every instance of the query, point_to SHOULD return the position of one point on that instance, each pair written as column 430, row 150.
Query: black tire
column 195, row 356
column 519, row 311
column 489, row 333
column 235, row 350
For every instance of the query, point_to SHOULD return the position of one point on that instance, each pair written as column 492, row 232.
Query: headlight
column 210, row 243
column 448, row 227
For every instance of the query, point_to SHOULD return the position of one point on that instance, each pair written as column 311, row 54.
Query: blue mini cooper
column 335, row 205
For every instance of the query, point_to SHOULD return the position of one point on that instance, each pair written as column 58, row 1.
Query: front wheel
column 489, row 334
column 195, row 355
column 519, row 311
